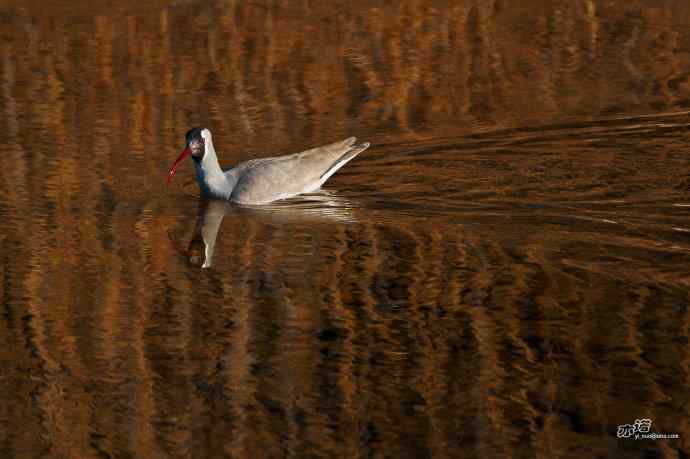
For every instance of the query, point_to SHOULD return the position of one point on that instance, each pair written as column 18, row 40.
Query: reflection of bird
column 202, row 245
column 259, row 181
column 314, row 209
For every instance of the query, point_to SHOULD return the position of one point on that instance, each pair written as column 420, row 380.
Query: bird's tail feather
column 353, row 151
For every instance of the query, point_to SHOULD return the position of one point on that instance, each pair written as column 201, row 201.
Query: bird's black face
column 195, row 148
column 195, row 142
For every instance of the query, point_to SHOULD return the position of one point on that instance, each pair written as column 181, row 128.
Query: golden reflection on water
column 503, row 274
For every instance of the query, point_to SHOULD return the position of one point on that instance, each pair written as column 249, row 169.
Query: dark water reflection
column 503, row 274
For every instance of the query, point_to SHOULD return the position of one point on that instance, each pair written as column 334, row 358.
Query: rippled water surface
column 504, row 273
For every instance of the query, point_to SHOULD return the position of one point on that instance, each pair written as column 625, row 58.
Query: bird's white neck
column 212, row 181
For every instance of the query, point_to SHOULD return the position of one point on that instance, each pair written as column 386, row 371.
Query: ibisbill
column 264, row 180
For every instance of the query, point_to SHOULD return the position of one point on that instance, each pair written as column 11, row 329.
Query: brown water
column 505, row 273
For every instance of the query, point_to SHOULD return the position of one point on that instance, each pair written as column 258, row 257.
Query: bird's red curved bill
column 185, row 153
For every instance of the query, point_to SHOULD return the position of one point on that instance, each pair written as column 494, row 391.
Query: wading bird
column 260, row 181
